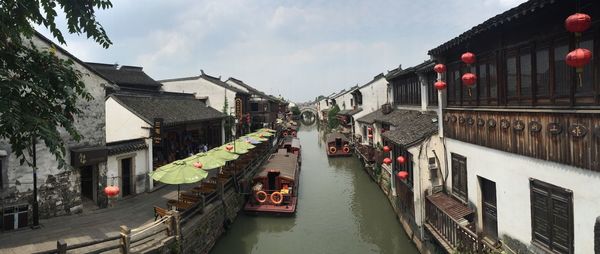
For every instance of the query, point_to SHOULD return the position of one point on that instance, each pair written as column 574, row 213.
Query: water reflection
column 340, row 210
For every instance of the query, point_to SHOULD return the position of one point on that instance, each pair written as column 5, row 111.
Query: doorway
column 126, row 177
column 89, row 180
column 490, row 211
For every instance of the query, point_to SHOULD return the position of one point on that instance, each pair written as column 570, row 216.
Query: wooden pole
column 125, row 239
column 61, row 247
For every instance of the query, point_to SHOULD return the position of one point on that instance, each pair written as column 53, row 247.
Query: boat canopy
column 283, row 162
column 331, row 137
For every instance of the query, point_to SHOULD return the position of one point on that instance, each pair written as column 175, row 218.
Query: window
column 551, row 216
column 562, row 83
column 431, row 91
column 542, row 69
column 364, row 131
column 585, row 87
column 525, row 74
column 511, row 76
column 407, row 90
column 483, row 83
column 1, row 175
column 459, row 177
column 254, row 106
column 407, row 166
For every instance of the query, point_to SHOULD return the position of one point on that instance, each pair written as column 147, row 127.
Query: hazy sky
column 299, row 49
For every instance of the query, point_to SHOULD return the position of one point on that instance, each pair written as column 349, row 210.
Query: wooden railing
column 127, row 240
column 454, row 232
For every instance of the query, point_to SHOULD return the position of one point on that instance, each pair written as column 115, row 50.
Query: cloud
column 299, row 49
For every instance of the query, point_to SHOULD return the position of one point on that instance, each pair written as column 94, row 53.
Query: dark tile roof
column 255, row 91
column 127, row 76
column 125, row 146
column 377, row 77
column 349, row 112
column 422, row 67
column 410, row 126
column 173, row 109
column 511, row 15
column 68, row 54
column 214, row 80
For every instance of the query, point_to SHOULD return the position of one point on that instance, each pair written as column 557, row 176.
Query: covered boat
column 275, row 186
column 337, row 145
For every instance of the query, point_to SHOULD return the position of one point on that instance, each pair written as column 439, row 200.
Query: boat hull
column 288, row 209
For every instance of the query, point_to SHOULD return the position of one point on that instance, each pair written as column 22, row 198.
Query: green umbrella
column 223, row 154
column 241, row 146
column 261, row 133
column 178, row 172
column 209, row 161
column 256, row 137
column 266, row 130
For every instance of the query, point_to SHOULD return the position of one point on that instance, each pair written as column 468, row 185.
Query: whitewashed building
column 60, row 191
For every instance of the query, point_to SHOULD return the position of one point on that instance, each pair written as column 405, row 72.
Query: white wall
column 511, row 174
column 203, row 88
column 90, row 125
column 322, row 104
column 122, row 124
column 140, row 168
column 422, row 175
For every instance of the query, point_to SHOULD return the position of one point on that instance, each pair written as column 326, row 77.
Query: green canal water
column 340, row 210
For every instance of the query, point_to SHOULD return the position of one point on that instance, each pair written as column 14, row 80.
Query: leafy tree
column 295, row 110
column 332, row 119
column 38, row 90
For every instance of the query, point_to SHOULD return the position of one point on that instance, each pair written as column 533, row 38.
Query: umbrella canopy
column 178, row 172
column 266, row 130
column 222, row 153
column 262, row 133
column 251, row 140
column 209, row 161
column 238, row 149
column 255, row 137
column 241, row 144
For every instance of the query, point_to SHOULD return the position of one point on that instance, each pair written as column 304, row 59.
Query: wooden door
column 490, row 211
column 126, row 177
column 87, row 182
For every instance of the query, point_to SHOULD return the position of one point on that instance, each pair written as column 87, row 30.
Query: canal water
column 340, row 210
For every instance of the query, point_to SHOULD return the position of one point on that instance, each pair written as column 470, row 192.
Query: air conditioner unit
column 14, row 217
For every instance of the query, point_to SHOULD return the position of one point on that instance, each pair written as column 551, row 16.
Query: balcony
column 450, row 223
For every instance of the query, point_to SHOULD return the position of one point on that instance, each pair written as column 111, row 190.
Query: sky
column 296, row 49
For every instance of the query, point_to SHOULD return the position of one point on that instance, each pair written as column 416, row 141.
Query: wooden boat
column 275, row 186
column 337, row 145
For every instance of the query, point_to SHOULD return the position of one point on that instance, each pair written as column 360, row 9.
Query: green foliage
column 332, row 119
column 38, row 90
column 295, row 110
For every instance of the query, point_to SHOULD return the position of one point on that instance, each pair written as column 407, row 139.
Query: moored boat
column 275, row 186
column 337, row 145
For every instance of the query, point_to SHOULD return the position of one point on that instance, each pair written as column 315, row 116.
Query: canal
column 340, row 210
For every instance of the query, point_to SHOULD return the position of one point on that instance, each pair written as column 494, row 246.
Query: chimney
column 202, row 71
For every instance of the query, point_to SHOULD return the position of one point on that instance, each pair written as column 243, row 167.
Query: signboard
column 88, row 156
column 238, row 108
column 156, row 131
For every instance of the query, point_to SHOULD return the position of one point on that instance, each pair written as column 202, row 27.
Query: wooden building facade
column 523, row 143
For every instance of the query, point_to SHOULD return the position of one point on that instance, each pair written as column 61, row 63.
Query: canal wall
column 200, row 233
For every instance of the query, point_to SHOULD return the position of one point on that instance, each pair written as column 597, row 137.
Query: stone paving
column 98, row 224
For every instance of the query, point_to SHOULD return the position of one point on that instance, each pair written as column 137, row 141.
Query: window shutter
column 561, row 216
column 539, row 216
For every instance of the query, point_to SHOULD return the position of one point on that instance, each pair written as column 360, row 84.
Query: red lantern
column 370, row 129
column 440, row 85
column 387, row 161
column 111, row 191
column 386, row 149
column 578, row 58
column 229, row 147
column 469, row 79
column 401, row 159
column 198, row 165
column 468, row 58
column 370, row 135
column 402, row 175
column 439, row 68
column 578, row 23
